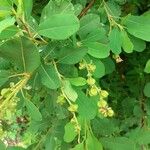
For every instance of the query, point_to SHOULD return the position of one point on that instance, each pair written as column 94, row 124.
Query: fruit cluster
column 94, row 90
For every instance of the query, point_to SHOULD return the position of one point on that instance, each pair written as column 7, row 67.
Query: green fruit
column 103, row 111
column 82, row 65
column 73, row 108
column 5, row 92
column 102, row 103
column 91, row 81
column 93, row 91
column 91, row 67
column 61, row 99
column 110, row 112
column 104, row 93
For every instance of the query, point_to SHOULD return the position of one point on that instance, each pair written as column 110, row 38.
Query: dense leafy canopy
column 74, row 75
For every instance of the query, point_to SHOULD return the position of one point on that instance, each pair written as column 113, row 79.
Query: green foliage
column 2, row 145
column 49, row 77
column 115, row 41
column 98, row 50
column 147, row 67
column 21, row 51
column 55, row 27
column 69, row 128
column 33, row 111
column 146, row 89
column 138, row 26
column 74, row 75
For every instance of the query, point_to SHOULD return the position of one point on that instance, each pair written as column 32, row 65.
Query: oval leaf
column 33, row 111
column 79, row 81
column 6, row 23
column 69, row 91
column 93, row 143
column 22, row 52
column 115, row 41
column 127, row 45
column 147, row 67
column 59, row 26
column 147, row 89
column 87, row 107
column 98, row 50
column 49, row 77
column 139, row 26
column 71, row 55
column 70, row 133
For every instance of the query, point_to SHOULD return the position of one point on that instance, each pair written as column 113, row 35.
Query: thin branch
column 26, row 27
column 85, row 10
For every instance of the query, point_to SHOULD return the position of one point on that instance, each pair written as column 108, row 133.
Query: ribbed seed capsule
column 90, row 81
column 91, row 67
column 104, row 93
column 61, row 99
column 110, row 112
column 103, row 111
column 102, row 103
column 82, row 65
column 73, row 108
column 93, row 91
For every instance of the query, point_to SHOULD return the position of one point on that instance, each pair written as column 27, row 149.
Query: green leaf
column 6, row 23
column 147, row 67
column 59, row 26
column 35, row 126
column 71, row 55
column 100, row 68
column 33, row 111
column 87, row 107
column 52, row 8
column 93, row 143
column 79, row 81
column 104, row 124
column 147, row 89
column 50, row 142
column 88, row 23
column 77, row 9
column 115, row 41
column 2, row 145
column 113, row 9
column 140, row 136
column 127, row 45
column 4, row 64
column 95, row 35
column 78, row 147
column 109, row 65
column 8, row 32
column 138, row 26
column 98, row 50
column 70, row 132
column 27, row 7
column 118, row 143
column 69, row 71
column 5, row 8
column 14, row 148
column 69, row 91
column 22, row 52
column 49, row 76
column 4, row 76
column 139, row 45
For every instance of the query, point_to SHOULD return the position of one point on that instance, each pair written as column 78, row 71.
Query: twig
column 26, row 27
column 85, row 10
